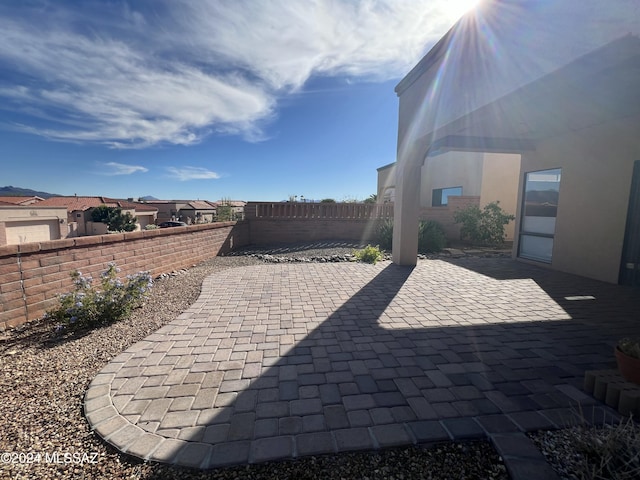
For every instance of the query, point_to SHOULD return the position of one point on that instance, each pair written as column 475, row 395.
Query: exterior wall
column 297, row 222
column 290, row 223
column 500, row 180
column 266, row 231
column 25, row 220
column 144, row 220
column 386, row 179
column 597, row 165
column 451, row 169
column 34, row 274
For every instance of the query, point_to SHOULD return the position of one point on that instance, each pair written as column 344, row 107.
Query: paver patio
column 286, row 360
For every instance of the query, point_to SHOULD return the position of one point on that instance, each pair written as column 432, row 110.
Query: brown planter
column 629, row 367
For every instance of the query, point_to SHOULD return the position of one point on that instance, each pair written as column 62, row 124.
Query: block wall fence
column 33, row 274
column 296, row 222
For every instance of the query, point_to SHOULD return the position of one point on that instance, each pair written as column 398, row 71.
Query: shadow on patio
column 279, row 361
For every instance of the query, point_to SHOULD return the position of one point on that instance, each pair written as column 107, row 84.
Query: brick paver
column 275, row 361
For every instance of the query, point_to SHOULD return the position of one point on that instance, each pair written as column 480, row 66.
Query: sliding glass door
column 539, row 212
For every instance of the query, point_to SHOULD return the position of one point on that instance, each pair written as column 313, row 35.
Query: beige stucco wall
column 490, row 176
column 451, row 169
column 597, row 165
column 386, row 179
column 29, row 217
column 500, row 180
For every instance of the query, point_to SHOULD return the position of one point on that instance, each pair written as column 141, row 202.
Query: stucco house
column 79, row 213
column 480, row 177
column 31, row 223
column 189, row 211
column 557, row 84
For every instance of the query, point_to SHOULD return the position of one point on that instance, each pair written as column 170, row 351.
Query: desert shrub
column 431, row 237
column 369, row 254
column 486, row 226
column 610, row 452
column 384, row 234
column 88, row 307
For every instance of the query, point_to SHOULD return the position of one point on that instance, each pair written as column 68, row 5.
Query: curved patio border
column 280, row 361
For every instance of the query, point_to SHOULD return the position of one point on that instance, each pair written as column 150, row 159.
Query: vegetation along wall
column 33, row 274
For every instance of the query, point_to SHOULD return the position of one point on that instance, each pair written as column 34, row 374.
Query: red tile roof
column 20, row 200
column 85, row 203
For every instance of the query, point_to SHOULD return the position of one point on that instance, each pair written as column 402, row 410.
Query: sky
column 180, row 99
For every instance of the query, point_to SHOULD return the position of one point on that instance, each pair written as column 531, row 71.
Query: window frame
column 533, row 234
column 439, row 203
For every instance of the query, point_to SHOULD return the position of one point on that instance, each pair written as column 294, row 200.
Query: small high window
column 440, row 196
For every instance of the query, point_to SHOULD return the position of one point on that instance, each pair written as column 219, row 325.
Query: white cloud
column 192, row 173
column 181, row 70
column 115, row 168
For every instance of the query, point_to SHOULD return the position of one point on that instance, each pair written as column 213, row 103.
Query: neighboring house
column 79, row 213
column 189, row 211
column 30, row 200
column 558, row 84
column 237, row 207
column 31, row 223
column 193, row 211
column 487, row 177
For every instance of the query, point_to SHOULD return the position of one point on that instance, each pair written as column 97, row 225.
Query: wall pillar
column 406, row 212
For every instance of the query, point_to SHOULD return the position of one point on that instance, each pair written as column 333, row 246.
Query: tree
column 373, row 198
column 327, row 200
column 224, row 211
column 114, row 218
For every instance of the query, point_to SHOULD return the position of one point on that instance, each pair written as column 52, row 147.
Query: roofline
column 384, row 167
column 430, row 59
column 437, row 51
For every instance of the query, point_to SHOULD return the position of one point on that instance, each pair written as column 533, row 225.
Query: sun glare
column 457, row 8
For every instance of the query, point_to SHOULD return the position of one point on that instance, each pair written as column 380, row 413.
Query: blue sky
column 247, row 100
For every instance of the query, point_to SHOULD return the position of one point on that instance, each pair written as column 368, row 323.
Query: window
column 389, row 195
column 538, row 226
column 440, row 196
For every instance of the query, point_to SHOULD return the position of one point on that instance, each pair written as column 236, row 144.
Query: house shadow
column 436, row 352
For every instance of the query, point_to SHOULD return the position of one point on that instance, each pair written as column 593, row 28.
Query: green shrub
column 114, row 218
column 87, row 307
column 384, row 234
column 369, row 254
column 486, row 226
column 151, row 226
column 431, row 237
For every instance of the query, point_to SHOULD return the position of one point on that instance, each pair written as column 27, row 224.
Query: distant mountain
column 148, row 198
column 10, row 191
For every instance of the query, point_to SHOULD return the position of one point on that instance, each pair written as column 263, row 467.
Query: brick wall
column 276, row 230
column 295, row 222
column 33, row 274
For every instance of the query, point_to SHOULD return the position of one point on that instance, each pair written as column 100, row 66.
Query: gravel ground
column 43, row 380
column 588, row 452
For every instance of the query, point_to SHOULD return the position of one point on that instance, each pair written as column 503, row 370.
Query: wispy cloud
column 176, row 71
column 114, row 168
column 192, row 173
